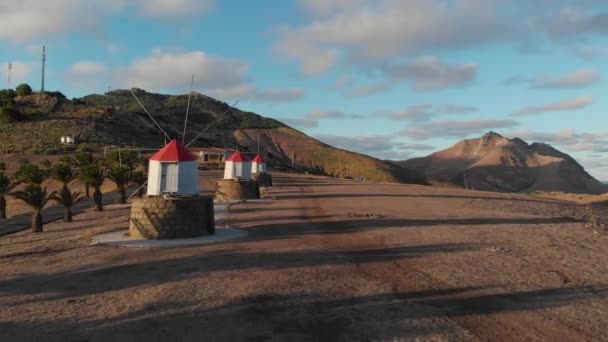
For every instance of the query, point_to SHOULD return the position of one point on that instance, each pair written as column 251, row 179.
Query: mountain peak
column 496, row 163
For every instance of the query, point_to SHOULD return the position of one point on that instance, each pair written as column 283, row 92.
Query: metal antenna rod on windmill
column 150, row 115
column 10, row 68
column 188, row 108
column 212, row 124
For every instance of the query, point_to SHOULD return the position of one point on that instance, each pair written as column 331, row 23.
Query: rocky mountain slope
column 496, row 163
column 115, row 119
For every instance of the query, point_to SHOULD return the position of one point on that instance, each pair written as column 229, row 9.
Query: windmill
column 173, row 170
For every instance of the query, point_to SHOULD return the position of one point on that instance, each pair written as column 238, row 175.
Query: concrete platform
column 222, row 233
column 118, row 238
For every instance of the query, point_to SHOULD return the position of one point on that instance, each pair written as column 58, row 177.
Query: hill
column 496, row 163
column 115, row 119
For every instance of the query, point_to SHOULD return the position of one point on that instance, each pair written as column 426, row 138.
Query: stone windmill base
column 229, row 189
column 157, row 217
column 263, row 179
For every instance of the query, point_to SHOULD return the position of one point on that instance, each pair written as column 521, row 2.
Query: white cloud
column 173, row 70
column 459, row 109
column 88, row 67
column 571, row 21
column 423, row 74
column 19, row 72
column 423, row 111
column 568, row 139
column 577, row 103
column 576, row 79
column 429, row 73
column 380, row 146
column 426, row 111
column 370, row 89
column 326, row 7
column 87, row 76
column 26, row 20
column 313, row 118
column 29, row 19
column 344, row 81
column 377, row 30
column 277, row 95
column 454, row 128
column 172, row 9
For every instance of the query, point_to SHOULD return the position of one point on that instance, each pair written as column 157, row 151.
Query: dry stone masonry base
column 263, row 179
column 156, row 217
column 229, row 189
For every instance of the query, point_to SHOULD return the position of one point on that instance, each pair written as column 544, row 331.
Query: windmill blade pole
column 188, row 108
column 150, row 115
column 136, row 190
column 212, row 124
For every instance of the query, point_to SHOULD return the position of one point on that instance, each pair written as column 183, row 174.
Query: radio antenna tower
column 43, row 65
column 10, row 68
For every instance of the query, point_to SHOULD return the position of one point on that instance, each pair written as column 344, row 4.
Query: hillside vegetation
column 116, row 119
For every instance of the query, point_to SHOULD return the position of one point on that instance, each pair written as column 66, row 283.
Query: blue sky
column 391, row 78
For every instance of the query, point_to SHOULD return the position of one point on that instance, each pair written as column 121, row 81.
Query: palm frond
column 34, row 196
column 67, row 198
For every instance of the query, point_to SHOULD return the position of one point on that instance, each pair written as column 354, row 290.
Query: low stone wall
column 157, row 217
column 229, row 189
column 263, row 179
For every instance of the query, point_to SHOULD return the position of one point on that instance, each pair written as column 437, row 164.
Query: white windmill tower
column 173, row 170
column 237, row 167
column 258, row 165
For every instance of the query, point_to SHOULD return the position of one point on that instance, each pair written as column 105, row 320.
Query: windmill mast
column 43, row 65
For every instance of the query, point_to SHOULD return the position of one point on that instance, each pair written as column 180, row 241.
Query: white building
column 174, row 171
column 68, row 140
column 237, row 167
column 258, row 165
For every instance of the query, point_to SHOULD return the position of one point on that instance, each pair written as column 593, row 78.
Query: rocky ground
column 326, row 260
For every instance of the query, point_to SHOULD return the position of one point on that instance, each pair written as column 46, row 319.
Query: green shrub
column 23, row 89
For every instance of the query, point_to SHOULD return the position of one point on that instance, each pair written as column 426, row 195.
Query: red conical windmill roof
column 258, row 159
column 173, row 152
column 238, row 157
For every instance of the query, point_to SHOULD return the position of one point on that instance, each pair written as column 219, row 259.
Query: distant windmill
column 10, row 69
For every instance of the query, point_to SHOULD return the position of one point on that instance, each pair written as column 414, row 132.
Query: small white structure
column 68, row 140
column 258, row 165
column 173, row 171
column 237, row 167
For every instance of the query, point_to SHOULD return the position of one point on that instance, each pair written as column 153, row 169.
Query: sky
column 394, row 79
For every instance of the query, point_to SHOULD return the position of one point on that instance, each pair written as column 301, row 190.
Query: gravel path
column 324, row 261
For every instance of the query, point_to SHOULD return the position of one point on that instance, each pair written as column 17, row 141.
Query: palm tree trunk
column 37, row 222
column 2, row 208
column 98, row 200
column 67, row 214
column 123, row 194
column 87, row 190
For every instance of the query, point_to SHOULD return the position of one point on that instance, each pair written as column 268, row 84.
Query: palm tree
column 120, row 177
column 36, row 197
column 67, row 199
column 94, row 175
column 139, row 178
column 127, row 158
column 82, row 160
column 30, row 174
column 63, row 173
column 6, row 186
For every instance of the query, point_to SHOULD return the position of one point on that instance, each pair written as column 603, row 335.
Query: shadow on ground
column 384, row 316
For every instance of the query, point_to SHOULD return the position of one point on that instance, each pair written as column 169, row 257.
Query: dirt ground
column 326, row 260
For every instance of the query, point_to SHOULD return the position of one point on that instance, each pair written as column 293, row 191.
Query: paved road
column 22, row 222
